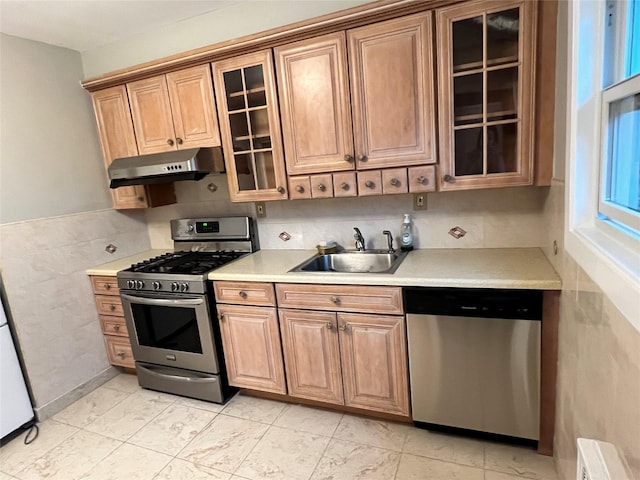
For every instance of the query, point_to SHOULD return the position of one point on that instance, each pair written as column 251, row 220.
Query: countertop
column 111, row 268
column 518, row 268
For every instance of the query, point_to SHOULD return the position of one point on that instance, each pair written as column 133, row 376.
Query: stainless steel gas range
column 169, row 308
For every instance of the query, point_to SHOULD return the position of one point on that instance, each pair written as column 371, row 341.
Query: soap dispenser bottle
column 406, row 234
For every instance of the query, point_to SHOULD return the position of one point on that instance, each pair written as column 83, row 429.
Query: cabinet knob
column 221, row 317
column 170, row 141
column 112, row 307
column 422, row 180
column 362, row 158
column 335, row 299
column 395, row 182
column 299, row 189
column 107, row 286
column 369, row 184
column 447, row 178
column 343, row 328
column 348, row 158
column 121, row 355
column 179, row 140
column 280, row 189
column 344, row 186
column 140, row 198
column 242, row 294
column 329, row 325
column 322, row 187
column 116, row 327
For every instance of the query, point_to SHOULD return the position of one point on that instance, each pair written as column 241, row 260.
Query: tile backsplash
column 510, row 217
column 43, row 268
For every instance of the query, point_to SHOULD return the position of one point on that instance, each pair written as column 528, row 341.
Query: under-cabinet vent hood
column 188, row 164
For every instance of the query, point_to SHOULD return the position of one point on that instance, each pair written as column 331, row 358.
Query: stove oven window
column 171, row 328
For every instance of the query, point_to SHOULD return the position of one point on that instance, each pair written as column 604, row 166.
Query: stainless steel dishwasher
column 474, row 359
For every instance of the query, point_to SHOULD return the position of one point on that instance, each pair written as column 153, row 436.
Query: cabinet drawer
column 245, row 293
column 114, row 325
column 105, row 285
column 299, row 187
column 119, row 351
column 345, row 185
column 422, row 179
column 321, row 186
column 369, row 183
column 346, row 298
column 394, row 181
column 109, row 305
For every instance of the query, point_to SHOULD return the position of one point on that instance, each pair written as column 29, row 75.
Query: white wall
column 244, row 18
column 50, row 158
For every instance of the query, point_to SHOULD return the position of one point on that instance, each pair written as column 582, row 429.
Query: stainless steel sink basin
column 370, row 261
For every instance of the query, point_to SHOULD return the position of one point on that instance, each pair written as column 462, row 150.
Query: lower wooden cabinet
column 357, row 360
column 252, row 350
column 111, row 315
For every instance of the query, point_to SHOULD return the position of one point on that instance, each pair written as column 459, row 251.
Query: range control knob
column 139, row 284
column 184, row 287
column 175, row 287
column 156, row 285
column 190, row 227
column 131, row 284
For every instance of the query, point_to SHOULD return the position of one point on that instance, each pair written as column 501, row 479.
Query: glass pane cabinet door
column 486, row 76
column 250, row 127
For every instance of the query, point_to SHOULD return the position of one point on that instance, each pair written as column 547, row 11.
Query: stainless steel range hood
column 189, row 164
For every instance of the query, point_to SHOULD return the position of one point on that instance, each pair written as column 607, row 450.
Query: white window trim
column 611, row 260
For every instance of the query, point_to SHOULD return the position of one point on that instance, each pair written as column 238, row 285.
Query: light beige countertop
column 111, row 268
column 520, row 268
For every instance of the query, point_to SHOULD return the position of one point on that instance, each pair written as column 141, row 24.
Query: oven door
column 171, row 330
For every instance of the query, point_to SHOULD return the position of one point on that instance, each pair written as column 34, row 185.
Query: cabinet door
column 193, row 108
column 315, row 108
column 252, row 351
column 151, row 114
column 311, row 355
column 374, row 362
column 250, row 127
column 118, row 140
column 392, row 92
column 486, row 54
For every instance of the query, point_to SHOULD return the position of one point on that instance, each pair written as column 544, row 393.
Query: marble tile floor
column 120, row 431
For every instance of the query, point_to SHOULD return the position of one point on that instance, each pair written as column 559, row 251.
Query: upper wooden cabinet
column 315, row 106
column 118, row 140
column 486, row 54
column 250, row 127
column 174, row 111
column 392, row 92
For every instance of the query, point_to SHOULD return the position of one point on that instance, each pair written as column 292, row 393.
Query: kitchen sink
column 351, row 261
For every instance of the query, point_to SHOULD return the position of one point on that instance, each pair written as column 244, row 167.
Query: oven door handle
column 175, row 302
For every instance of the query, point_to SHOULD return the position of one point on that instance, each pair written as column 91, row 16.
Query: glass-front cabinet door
column 486, row 54
column 250, row 127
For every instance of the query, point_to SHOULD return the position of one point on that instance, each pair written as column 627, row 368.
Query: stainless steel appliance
column 474, row 359
column 169, row 308
column 189, row 164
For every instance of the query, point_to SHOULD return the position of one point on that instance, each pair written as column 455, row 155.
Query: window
column 619, row 195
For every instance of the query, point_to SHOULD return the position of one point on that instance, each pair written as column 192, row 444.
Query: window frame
column 609, row 256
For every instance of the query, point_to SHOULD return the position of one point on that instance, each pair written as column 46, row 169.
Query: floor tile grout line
column 103, row 413
column 252, row 448
column 326, row 447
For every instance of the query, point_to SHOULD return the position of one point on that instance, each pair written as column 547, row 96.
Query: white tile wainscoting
column 121, row 431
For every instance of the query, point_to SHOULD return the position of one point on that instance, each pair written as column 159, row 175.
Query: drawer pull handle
column 335, row 300
column 107, row 286
column 447, row 178
column 112, row 307
column 299, row 189
column 242, row 294
column 221, row 317
column 179, row 140
column 121, row 355
column 422, row 180
column 170, row 142
column 322, row 187
column 116, row 327
column 344, row 186
column 348, row 158
column 343, row 328
column 369, row 184
column 329, row 325
column 362, row 158
column 395, row 182
column 280, row 189
column 140, row 198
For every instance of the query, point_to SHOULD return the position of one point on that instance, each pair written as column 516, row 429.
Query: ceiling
column 86, row 24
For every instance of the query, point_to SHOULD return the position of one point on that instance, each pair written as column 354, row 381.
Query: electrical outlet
column 261, row 209
column 419, row 201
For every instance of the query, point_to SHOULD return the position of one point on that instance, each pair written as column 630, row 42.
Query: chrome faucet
column 359, row 240
column 389, row 241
